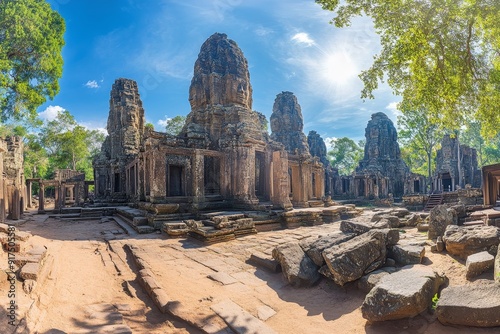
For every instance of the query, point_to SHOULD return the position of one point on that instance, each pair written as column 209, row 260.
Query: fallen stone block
column 161, row 299
column 354, row 258
column 463, row 241
column 30, row 271
column 476, row 305
column 265, row 261
column 407, row 254
column 368, row 282
column 478, row 263
column 315, row 247
column 439, row 218
column 298, row 269
column 496, row 267
column 239, row 320
column 403, row 294
column 348, row 226
column 149, row 284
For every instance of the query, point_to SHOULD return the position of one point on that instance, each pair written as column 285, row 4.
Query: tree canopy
column 31, row 41
column 441, row 56
column 345, row 154
column 174, row 125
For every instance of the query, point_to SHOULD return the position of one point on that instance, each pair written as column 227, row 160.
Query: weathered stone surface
column 287, row 124
column 463, row 241
column 354, row 258
column 476, row 305
column 382, row 158
column 317, row 147
column 314, row 248
column 402, row 294
column 264, row 261
column 29, row 285
column 447, row 164
column 407, row 254
column 239, row 320
column 298, row 269
column 413, row 220
column 439, row 218
column 496, row 269
column 30, row 271
column 221, row 75
column 478, row 263
column 368, row 282
column 349, row 226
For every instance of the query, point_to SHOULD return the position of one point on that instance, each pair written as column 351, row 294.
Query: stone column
column 57, row 204
column 15, row 209
column 198, row 190
column 29, row 193
column 41, row 199
column 280, row 179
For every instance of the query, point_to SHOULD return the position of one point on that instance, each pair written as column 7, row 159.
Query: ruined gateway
column 223, row 157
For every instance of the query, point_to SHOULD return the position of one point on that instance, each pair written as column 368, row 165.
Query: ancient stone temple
column 456, row 166
column 382, row 171
column 306, row 173
column 121, row 146
column 223, row 157
column 13, row 194
column 317, row 148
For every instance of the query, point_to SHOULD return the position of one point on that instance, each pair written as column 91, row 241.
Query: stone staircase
column 433, row 201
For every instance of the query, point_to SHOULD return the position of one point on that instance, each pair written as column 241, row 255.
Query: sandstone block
column 402, row 294
column 463, row 241
column 354, row 258
column 348, row 226
column 315, row 247
column 30, row 271
column 476, row 305
column 478, row 263
column 407, row 254
column 298, row 269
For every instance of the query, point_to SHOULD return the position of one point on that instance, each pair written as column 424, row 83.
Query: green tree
column 70, row 145
column 174, row 125
column 345, row 154
column 419, row 134
column 31, row 41
column 441, row 56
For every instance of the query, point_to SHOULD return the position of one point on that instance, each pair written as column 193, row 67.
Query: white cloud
column 262, row 31
column 394, row 112
column 303, row 38
column 163, row 122
column 328, row 143
column 92, row 84
column 50, row 113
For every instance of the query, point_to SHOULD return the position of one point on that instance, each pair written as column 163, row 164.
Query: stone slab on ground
column 239, row 320
column 476, row 305
column 314, row 247
column 30, row 271
column 354, row 258
column 265, row 312
column 407, row 254
column 463, row 241
column 298, row 269
column 478, row 263
column 403, row 294
column 265, row 261
column 223, row 278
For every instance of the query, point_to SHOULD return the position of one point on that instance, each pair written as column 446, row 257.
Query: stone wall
column 14, row 194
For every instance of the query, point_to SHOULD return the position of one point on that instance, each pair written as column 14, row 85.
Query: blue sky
column 289, row 45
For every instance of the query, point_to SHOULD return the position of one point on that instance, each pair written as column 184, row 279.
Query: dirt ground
column 84, row 274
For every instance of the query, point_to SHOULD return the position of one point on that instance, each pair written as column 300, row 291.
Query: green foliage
column 174, row 125
column 31, row 40
column 418, row 134
column 68, row 144
column 442, row 56
column 435, row 300
column 488, row 149
column 149, row 126
column 345, row 154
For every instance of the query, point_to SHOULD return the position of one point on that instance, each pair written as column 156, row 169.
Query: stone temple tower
column 125, row 134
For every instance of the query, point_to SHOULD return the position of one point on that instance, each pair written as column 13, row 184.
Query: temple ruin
column 381, row 173
column 456, row 166
column 223, row 157
column 14, row 198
